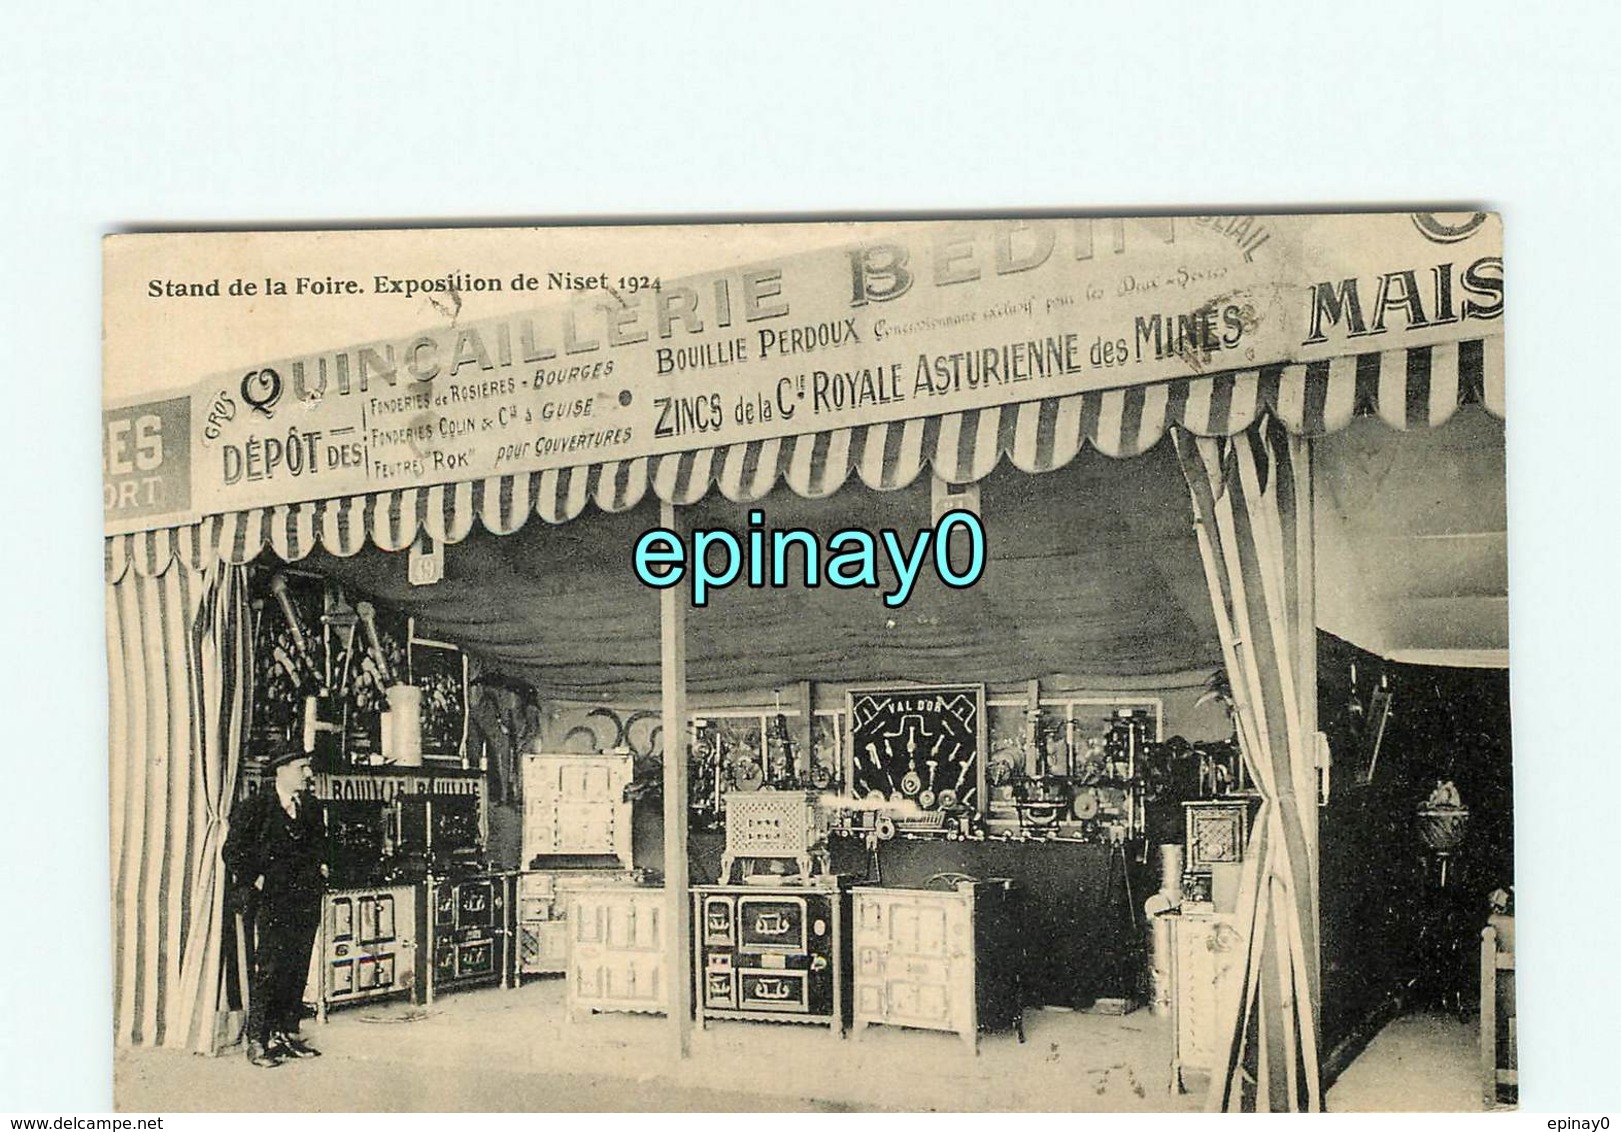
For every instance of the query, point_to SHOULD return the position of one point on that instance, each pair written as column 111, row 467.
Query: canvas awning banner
column 1045, row 332
column 1407, row 389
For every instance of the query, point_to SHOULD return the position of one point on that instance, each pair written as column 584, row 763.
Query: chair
column 1498, row 1032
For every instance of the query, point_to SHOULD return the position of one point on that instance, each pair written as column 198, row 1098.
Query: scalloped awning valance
column 1407, row 389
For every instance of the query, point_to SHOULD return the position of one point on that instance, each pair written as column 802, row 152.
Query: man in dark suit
column 276, row 852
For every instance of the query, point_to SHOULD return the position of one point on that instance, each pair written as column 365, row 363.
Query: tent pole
column 1306, row 671
column 1306, row 615
column 678, row 908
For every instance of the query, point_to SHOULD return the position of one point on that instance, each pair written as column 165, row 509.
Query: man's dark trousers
column 285, row 927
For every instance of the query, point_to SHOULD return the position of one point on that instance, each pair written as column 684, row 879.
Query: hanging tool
column 879, row 765
column 278, row 587
column 911, row 783
column 368, row 620
column 967, row 765
column 933, row 761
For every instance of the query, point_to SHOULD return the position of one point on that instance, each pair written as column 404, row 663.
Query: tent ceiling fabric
column 1091, row 570
column 1418, row 388
column 1412, row 543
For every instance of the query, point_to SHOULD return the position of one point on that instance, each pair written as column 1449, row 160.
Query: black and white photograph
column 931, row 562
column 1066, row 658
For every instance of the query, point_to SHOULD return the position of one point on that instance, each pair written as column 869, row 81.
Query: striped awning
column 1407, row 389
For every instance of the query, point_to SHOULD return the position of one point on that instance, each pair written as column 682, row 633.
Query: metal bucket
column 1170, row 872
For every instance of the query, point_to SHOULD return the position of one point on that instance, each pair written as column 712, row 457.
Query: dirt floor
column 1418, row 1063
column 515, row 1050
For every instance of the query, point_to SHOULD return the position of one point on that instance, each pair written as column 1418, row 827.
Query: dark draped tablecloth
column 1082, row 924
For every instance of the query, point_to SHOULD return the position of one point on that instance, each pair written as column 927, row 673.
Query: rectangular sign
column 529, row 360
column 146, row 462
column 387, row 787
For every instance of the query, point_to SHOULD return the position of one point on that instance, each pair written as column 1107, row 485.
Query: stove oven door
column 784, row 991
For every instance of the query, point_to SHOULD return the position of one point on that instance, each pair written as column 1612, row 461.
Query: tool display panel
column 922, row 746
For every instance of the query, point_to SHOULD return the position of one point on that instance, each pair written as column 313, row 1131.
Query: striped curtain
column 1244, row 508
column 178, row 668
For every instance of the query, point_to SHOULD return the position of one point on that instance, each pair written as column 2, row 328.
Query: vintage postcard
column 1037, row 663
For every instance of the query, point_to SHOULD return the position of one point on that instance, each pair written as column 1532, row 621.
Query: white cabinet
column 936, row 960
column 367, row 946
column 542, row 903
column 616, row 950
column 574, row 806
column 1207, row 956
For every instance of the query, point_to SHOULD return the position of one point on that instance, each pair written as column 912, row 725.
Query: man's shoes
column 287, row 1045
column 261, row 1057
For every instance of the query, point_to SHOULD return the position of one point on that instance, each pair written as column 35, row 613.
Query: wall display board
column 368, row 658
column 756, row 749
column 919, row 746
column 440, row 670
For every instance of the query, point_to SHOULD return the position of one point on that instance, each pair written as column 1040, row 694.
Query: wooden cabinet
column 541, row 943
column 1207, row 962
column 616, row 950
column 574, row 806
column 936, row 960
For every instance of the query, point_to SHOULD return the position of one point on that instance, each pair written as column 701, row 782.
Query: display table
column 1081, row 939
